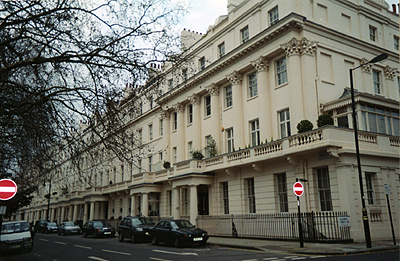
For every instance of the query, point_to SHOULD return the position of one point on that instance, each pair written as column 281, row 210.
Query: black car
column 40, row 226
column 98, row 228
column 68, row 228
column 178, row 232
column 135, row 228
column 50, row 227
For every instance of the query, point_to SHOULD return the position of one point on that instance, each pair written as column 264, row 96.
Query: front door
column 203, row 200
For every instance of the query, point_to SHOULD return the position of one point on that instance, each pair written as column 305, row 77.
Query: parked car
column 16, row 236
column 50, row 227
column 40, row 226
column 97, row 228
column 178, row 232
column 68, row 228
column 135, row 228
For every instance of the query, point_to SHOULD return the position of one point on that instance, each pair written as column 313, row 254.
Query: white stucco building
column 247, row 83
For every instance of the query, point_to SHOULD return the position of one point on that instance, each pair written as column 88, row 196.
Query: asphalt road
column 51, row 247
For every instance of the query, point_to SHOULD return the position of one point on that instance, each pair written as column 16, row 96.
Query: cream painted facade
column 247, row 83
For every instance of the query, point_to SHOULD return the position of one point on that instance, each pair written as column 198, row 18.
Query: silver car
column 16, row 236
column 68, row 228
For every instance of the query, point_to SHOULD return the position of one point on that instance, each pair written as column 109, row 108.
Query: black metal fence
column 317, row 226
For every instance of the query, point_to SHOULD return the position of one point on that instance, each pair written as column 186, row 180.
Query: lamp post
column 353, row 105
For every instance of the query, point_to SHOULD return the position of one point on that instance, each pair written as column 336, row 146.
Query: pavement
column 308, row 249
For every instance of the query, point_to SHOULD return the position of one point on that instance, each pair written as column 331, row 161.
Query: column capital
column 179, row 107
column 234, row 78
column 261, row 64
column 213, row 89
column 194, row 99
column 389, row 72
column 303, row 46
column 165, row 115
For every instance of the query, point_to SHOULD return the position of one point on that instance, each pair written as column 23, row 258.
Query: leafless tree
column 67, row 61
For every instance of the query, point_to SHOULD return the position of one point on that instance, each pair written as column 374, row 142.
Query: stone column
column 179, row 108
column 133, row 205
column 175, row 204
column 75, row 216
column 193, row 204
column 195, row 100
column 85, row 213
column 167, row 134
column 262, row 66
column 213, row 90
column 145, row 204
column 237, row 99
column 62, row 214
column 92, row 214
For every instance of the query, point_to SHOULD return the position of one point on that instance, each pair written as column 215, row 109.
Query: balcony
column 327, row 141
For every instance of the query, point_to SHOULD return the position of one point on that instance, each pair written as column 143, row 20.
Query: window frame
column 251, row 195
column 228, row 96
column 221, row 49
column 190, row 113
column 396, row 42
column 377, row 81
column 244, row 34
column 230, row 140
column 281, row 71
column 225, row 197
column 373, row 33
column 324, row 189
column 281, row 185
column 174, row 121
column 369, row 183
column 202, row 63
column 207, row 105
column 286, row 132
column 255, row 132
column 273, row 15
column 150, row 126
column 252, row 85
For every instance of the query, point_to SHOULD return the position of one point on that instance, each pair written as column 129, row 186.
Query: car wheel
column 176, row 242
column 133, row 238
column 154, row 240
column 120, row 237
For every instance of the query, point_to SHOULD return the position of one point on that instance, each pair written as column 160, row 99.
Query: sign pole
column 387, row 190
column 298, row 190
column 300, row 226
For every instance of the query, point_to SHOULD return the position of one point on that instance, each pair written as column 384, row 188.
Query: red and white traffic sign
column 298, row 189
column 8, row 189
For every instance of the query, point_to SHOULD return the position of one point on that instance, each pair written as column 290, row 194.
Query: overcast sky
column 203, row 13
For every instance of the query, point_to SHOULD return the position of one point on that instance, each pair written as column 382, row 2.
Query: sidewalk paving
column 294, row 247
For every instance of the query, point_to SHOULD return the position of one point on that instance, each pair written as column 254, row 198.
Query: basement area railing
column 317, row 226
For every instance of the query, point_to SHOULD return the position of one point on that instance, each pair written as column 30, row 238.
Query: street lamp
column 353, row 105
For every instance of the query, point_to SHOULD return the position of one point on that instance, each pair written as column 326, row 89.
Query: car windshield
column 69, row 224
column 181, row 224
column 52, row 224
column 140, row 221
column 14, row 228
column 100, row 224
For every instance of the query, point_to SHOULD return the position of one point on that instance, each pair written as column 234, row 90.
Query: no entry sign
column 298, row 189
column 8, row 189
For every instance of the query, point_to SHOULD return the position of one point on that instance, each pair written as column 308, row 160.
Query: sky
column 203, row 13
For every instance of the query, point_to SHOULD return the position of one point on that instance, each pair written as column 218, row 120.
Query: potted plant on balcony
column 304, row 126
column 196, row 154
column 324, row 119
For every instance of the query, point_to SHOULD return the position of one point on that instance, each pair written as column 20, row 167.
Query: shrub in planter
column 324, row 119
column 304, row 125
column 167, row 164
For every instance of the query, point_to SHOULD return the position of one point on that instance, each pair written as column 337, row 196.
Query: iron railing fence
column 317, row 226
